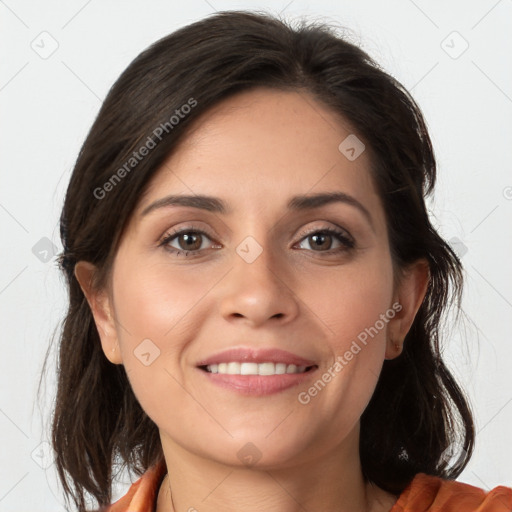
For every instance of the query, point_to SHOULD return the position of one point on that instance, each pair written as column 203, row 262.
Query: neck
column 332, row 481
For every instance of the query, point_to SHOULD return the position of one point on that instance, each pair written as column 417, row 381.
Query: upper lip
column 261, row 355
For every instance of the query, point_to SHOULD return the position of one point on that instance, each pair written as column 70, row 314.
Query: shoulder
column 428, row 493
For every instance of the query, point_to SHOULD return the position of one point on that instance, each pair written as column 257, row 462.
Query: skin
column 254, row 151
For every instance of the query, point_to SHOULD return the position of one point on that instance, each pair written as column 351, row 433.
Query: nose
column 258, row 291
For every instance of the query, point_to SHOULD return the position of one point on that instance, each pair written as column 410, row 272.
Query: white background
column 48, row 105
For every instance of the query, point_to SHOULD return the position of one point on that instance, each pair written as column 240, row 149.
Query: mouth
column 257, row 379
column 267, row 368
column 256, row 371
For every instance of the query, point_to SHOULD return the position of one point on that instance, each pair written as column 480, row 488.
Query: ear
column 101, row 309
column 410, row 292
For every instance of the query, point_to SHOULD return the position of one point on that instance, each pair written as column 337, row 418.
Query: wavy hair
column 417, row 411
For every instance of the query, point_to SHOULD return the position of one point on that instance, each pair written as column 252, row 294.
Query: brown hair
column 417, row 411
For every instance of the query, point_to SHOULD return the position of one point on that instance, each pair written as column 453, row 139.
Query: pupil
column 189, row 241
column 321, row 238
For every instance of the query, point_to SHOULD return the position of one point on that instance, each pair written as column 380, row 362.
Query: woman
column 255, row 286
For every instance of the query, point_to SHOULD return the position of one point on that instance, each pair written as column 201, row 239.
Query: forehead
column 261, row 144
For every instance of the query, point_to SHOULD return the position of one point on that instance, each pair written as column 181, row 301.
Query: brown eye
column 189, row 241
column 322, row 240
column 186, row 240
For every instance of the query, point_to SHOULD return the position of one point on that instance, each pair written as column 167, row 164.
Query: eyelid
column 184, row 228
column 337, row 229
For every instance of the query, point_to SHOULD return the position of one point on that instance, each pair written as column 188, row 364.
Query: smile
column 251, row 368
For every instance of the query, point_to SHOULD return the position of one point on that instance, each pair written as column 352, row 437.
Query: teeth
column 234, row 368
column 249, row 369
column 280, row 368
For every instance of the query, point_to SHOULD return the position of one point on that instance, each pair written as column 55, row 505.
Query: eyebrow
column 296, row 203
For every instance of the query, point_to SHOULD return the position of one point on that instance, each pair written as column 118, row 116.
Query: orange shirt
column 425, row 493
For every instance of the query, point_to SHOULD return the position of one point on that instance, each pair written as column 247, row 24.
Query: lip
column 257, row 385
column 261, row 355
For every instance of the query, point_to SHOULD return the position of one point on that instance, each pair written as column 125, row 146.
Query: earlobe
column 101, row 309
column 410, row 293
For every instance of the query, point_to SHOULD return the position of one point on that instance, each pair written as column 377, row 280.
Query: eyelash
column 347, row 243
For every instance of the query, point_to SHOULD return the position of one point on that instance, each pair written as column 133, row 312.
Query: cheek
column 355, row 307
column 156, row 314
column 160, row 310
column 351, row 299
column 347, row 303
column 153, row 310
column 364, row 300
column 153, row 302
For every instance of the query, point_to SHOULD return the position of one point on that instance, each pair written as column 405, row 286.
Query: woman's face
column 259, row 273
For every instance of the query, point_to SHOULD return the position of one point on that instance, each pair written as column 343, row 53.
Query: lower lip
column 258, row 384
